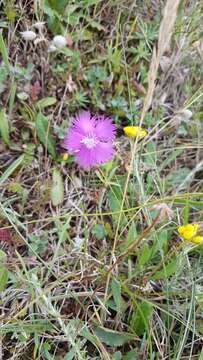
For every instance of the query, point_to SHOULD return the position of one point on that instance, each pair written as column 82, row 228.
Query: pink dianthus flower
column 90, row 139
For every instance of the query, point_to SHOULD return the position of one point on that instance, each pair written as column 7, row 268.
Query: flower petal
column 188, row 231
column 100, row 154
column 84, row 123
column 72, row 141
column 103, row 152
column 105, row 130
column 86, row 157
column 197, row 239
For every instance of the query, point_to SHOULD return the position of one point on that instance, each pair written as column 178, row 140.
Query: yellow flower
column 65, row 156
column 189, row 233
column 135, row 132
column 197, row 239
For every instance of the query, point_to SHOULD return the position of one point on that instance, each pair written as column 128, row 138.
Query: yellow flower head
column 135, row 132
column 65, row 156
column 189, row 231
column 197, row 239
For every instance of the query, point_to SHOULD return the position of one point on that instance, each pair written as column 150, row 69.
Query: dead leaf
column 139, row 88
column 69, row 41
column 5, row 236
column 35, row 91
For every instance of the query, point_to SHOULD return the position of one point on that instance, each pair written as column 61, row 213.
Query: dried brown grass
column 164, row 38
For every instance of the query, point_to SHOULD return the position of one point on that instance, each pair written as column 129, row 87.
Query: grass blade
column 4, row 126
column 4, row 52
column 11, row 169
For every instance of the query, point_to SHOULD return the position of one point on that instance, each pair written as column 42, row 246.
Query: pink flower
column 90, row 139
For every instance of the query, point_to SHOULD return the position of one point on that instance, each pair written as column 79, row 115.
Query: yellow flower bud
column 135, row 132
column 65, row 156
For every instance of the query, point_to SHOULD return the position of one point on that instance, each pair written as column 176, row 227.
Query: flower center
column 89, row 142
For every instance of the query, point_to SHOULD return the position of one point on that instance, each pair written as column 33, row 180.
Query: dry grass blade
column 166, row 26
column 165, row 32
column 151, row 81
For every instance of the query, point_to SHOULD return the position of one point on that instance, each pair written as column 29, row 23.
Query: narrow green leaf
column 131, row 355
column 115, row 204
column 161, row 242
column 3, row 256
column 141, row 318
column 167, row 271
column 12, row 95
column 116, row 291
column 35, row 326
column 144, row 255
column 44, row 134
column 57, row 189
column 70, row 355
column 99, row 231
column 4, row 52
column 113, row 338
column 132, row 233
column 117, row 356
column 11, row 169
column 201, row 355
column 43, row 103
column 4, row 126
column 170, row 158
column 3, row 277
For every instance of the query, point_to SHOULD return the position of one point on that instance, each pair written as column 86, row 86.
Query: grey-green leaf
column 43, row 103
column 44, row 134
column 141, row 318
column 99, row 231
column 57, row 189
column 116, row 291
column 4, row 126
column 4, row 52
column 167, row 270
column 3, row 277
column 113, row 338
column 9, row 171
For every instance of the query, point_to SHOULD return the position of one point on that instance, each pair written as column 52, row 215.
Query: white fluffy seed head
column 59, row 41
column 187, row 113
column 28, row 35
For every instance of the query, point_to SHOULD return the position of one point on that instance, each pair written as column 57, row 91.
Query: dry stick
column 165, row 32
